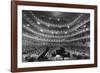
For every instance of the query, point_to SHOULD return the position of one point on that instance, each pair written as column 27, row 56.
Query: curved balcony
column 56, row 25
column 50, row 40
column 44, row 32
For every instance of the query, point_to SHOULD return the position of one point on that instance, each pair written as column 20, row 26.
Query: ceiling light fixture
column 84, row 26
column 41, row 30
column 52, row 32
column 58, row 19
column 28, row 25
column 68, row 26
column 38, row 23
column 56, row 32
column 66, row 32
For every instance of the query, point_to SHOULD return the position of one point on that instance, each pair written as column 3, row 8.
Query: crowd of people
column 54, row 54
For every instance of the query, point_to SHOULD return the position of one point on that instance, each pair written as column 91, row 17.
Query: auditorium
column 55, row 36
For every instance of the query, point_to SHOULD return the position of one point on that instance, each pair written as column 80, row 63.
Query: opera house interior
column 55, row 36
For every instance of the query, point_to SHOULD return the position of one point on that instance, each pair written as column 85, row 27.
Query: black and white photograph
column 55, row 36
